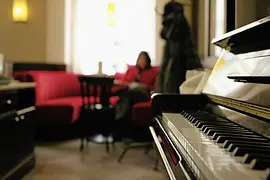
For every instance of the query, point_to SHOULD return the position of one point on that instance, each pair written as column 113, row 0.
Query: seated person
column 140, row 81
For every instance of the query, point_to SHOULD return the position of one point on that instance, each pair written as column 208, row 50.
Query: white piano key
column 211, row 160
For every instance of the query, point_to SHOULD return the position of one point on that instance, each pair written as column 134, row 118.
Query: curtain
column 93, row 40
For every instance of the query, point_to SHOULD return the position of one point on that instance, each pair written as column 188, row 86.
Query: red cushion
column 25, row 76
column 141, row 114
column 53, row 85
column 63, row 110
column 66, row 109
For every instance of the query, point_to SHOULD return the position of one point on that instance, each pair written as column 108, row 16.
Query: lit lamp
column 20, row 11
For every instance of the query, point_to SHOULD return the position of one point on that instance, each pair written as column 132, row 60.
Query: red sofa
column 58, row 99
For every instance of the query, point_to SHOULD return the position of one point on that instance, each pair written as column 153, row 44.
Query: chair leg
column 123, row 154
column 156, row 164
column 113, row 145
column 82, row 144
column 147, row 149
column 107, row 144
column 157, row 158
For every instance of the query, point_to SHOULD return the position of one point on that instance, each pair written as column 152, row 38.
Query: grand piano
column 224, row 132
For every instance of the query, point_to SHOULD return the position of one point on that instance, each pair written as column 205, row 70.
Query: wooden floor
column 64, row 161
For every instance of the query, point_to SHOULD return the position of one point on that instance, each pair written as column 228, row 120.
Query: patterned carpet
column 64, row 161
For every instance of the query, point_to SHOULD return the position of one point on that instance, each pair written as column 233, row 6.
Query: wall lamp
column 20, row 11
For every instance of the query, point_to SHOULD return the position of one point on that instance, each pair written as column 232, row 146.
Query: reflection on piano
column 222, row 133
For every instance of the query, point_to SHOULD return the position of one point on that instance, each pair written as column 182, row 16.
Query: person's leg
column 139, row 94
column 122, row 110
column 127, row 99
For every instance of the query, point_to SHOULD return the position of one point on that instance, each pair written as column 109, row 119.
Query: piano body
column 223, row 132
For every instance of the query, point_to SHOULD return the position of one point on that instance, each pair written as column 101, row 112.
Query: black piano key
column 191, row 118
column 227, row 143
column 188, row 118
column 211, row 132
column 233, row 146
column 222, row 139
column 235, row 134
column 214, row 122
column 185, row 114
column 202, row 114
column 193, row 121
column 259, row 164
column 199, row 114
column 210, row 119
column 250, row 156
column 205, row 128
column 200, row 124
column 241, row 151
column 218, row 125
column 205, row 122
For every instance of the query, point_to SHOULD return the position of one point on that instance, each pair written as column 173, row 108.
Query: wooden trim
column 195, row 22
column 207, row 28
column 242, row 107
column 22, row 169
column 230, row 12
column 38, row 66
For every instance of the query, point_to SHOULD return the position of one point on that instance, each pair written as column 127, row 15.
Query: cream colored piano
column 222, row 133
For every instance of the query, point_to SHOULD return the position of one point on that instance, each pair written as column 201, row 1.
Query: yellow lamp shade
column 20, row 11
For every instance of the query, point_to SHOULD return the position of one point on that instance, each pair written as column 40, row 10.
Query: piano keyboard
column 220, row 148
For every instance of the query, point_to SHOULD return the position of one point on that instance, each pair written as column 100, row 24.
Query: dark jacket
column 179, row 54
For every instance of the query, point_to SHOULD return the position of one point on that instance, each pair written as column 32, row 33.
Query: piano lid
column 243, row 78
column 252, row 37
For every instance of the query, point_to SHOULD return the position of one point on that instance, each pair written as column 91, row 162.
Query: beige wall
column 159, row 42
column 187, row 10
column 248, row 11
column 55, row 35
column 23, row 42
column 245, row 12
column 201, row 28
column 262, row 8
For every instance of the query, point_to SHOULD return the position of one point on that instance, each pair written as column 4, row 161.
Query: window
column 219, row 22
column 113, row 32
